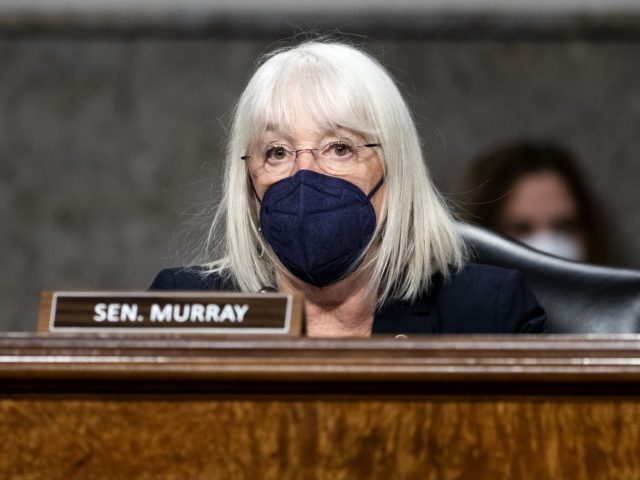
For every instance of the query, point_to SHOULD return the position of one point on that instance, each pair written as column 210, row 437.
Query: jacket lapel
column 401, row 317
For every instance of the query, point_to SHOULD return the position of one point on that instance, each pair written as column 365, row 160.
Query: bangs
column 311, row 88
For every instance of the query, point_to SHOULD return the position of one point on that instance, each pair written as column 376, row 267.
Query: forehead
column 541, row 195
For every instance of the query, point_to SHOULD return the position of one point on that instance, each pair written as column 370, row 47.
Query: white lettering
column 129, row 312
column 181, row 313
column 160, row 314
column 227, row 314
column 241, row 311
column 212, row 312
column 197, row 313
column 100, row 312
column 113, row 312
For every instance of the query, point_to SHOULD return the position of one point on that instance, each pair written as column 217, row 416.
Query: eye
column 276, row 152
column 340, row 149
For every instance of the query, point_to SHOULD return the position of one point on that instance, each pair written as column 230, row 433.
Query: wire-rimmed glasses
column 338, row 157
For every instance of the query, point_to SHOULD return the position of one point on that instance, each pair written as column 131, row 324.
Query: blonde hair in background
column 339, row 85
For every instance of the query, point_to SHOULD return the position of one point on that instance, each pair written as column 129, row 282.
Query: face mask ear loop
column 375, row 189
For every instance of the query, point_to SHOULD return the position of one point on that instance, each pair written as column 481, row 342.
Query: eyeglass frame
column 297, row 151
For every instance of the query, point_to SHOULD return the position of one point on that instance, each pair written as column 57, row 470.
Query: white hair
column 338, row 85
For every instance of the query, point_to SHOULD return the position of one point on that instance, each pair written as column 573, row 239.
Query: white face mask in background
column 556, row 243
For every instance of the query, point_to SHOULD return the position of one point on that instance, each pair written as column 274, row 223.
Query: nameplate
column 221, row 313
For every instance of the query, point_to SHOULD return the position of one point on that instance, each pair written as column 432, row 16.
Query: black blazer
column 478, row 299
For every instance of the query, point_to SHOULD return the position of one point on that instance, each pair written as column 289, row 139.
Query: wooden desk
column 434, row 408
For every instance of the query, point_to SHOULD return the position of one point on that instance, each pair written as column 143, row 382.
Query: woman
column 533, row 192
column 327, row 195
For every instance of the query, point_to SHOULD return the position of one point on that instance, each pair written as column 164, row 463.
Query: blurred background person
column 535, row 193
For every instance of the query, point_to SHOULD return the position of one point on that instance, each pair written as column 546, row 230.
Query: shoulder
column 481, row 276
column 189, row 278
column 475, row 299
column 493, row 299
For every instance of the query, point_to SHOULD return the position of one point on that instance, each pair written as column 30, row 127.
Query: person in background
column 533, row 192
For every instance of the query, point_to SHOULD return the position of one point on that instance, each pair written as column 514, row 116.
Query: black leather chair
column 578, row 297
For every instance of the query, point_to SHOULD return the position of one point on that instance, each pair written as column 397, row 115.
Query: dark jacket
column 478, row 299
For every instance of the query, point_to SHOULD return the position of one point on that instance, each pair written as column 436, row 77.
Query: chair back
column 578, row 297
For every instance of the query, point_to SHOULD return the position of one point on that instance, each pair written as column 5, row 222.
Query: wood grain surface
column 446, row 408
column 211, row 438
column 526, row 358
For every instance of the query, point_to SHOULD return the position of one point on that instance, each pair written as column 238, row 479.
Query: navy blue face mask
column 317, row 225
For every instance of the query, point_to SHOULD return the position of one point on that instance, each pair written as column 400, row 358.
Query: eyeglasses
column 336, row 157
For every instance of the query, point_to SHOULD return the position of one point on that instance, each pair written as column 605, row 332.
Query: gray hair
column 340, row 86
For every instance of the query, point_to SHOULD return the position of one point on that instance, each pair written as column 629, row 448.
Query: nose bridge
column 305, row 162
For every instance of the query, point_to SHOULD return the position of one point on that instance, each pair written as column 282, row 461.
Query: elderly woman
column 327, row 195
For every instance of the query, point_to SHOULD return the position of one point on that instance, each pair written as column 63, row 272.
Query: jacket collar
column 401, row 316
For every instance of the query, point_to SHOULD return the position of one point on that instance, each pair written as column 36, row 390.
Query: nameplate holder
column 186, row 312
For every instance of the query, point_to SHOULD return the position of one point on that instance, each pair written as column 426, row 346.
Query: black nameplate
column 171, row 312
